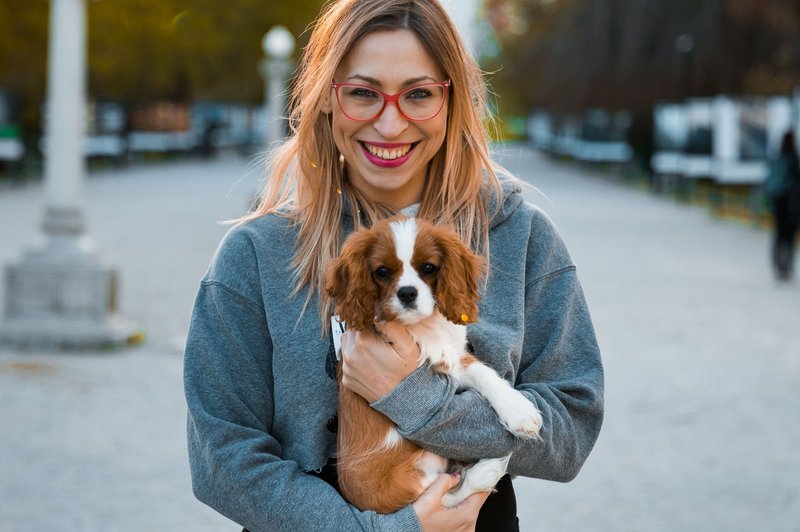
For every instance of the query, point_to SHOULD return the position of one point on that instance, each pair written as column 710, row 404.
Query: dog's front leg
column 515, row 411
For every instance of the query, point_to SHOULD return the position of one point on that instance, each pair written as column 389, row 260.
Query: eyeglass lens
column 418, row 103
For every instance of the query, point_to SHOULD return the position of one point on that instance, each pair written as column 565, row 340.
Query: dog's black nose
column 407, row 295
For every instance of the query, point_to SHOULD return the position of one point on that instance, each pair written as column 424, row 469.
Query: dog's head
column 404, row 269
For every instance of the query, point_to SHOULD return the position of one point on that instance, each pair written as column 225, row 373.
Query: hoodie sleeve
column 546, row 346
column 236, row 464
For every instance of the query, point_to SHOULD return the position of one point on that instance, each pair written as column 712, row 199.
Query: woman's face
column 375, row 151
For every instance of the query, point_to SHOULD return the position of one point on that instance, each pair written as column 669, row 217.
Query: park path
column 701, row 347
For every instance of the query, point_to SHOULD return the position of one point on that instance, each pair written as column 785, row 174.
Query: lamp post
column 278, row 45
column 60, row 294
column 684, row 45
column 464, row 14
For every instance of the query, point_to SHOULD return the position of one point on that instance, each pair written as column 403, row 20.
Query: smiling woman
column 387, row 117
column 387, row 153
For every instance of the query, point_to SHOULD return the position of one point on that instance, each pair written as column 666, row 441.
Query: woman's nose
column 391, row 124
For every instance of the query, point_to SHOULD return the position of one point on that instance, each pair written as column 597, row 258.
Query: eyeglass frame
column 390, row 98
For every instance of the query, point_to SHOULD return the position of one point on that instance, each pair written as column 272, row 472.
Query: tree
column 622, row 53
column 144, row 50
column 629, row 54
column 23, row 55
column 185, row 48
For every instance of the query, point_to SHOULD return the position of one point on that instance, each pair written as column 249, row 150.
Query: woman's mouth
column 387, row 155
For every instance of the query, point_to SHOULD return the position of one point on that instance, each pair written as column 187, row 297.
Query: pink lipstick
column 386, row 148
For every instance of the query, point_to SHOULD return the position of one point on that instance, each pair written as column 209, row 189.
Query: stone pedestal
column 61, row 294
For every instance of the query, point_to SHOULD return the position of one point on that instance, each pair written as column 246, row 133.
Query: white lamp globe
column 278, row 43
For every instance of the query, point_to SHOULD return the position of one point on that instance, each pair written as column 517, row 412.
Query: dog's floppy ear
column 457, row 291
column 349, row 283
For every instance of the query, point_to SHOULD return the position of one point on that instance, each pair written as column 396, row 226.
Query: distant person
column 207, row 147
column 783, row 190
column 387, row 116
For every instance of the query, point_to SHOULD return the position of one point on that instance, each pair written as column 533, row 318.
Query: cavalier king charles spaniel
column 424, row 277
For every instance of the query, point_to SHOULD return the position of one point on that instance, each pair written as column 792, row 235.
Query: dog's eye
column 383, row 272
column 428, row 269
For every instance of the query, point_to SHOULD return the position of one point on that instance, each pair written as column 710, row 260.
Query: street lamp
column 684, row 45
column 278, row 45
column 60, row 294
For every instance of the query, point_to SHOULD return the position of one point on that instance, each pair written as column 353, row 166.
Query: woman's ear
column 327, row 107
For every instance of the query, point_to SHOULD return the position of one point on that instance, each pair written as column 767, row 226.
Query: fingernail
column 455, row 474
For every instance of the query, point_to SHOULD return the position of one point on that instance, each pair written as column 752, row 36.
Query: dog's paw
column 480, row 477
column 486, row 473
column 452, row 498
column 523, row 419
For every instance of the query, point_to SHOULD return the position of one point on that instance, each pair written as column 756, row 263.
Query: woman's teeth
column 388, row 154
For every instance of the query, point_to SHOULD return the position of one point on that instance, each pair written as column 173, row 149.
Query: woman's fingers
column 397, row 335
column 434, row 517
column 370, row 366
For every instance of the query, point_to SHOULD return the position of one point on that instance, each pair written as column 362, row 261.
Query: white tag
column 337, row 328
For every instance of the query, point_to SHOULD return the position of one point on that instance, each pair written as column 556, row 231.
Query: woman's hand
column 434, row 517
column 374, row 363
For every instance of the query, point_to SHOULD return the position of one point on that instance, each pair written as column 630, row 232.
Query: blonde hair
column 307, row 181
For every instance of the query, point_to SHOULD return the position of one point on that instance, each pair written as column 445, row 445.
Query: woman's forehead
column 388, row 59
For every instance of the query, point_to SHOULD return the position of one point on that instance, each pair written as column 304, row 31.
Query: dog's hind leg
column 483, row 476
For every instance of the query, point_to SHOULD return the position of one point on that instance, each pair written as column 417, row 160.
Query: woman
column 783, row 189
column 387, row 117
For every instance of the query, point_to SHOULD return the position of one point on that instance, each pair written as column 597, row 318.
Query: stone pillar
column 464, row 14
column 61, row 294
column 278, row 45
column 278, row 70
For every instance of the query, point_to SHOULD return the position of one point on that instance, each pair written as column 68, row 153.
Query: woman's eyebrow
column 406, row 83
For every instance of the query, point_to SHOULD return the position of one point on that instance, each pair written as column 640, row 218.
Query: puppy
column 407, row 270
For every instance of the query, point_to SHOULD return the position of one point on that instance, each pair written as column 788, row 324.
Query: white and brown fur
column 406, row 269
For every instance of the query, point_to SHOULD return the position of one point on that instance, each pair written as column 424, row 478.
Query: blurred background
column 164, row 77
column 647, row 127
column 608, row 81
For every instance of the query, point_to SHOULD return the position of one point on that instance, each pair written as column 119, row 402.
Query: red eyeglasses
column 363, row 103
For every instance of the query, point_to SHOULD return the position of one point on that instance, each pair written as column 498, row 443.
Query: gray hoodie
column 261, row 392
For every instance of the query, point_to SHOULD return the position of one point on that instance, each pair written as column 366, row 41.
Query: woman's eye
column 383, row 273
column 418, row 94
column 363, row 93
column 428, row 269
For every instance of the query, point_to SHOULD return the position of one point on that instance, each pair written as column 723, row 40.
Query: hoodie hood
column 508, row 203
